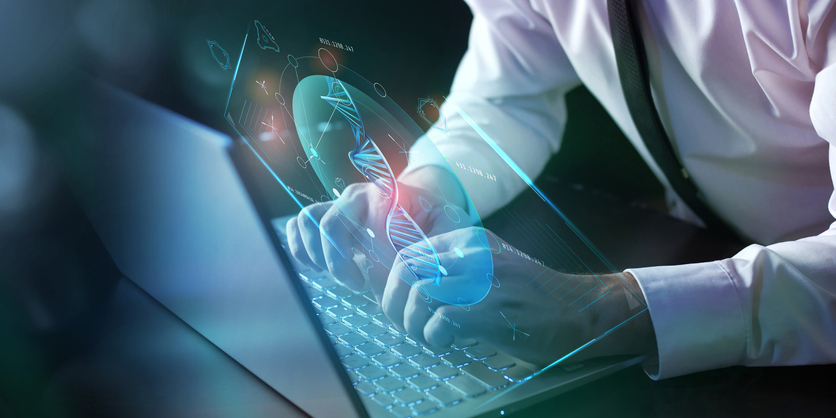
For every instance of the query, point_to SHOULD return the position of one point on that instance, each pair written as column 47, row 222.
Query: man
column 746, row 91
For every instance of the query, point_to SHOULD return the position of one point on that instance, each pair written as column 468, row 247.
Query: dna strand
column 412, row 246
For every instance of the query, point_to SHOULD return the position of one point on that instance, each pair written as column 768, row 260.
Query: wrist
column 435, row 178
column 633, row 333
column 635, row 336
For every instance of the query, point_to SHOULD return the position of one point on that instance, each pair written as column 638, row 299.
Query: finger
column 308, row 220
column 420, row 307
column 444, row 326
column 396, row 294
column 297, row 246
column 342, row 250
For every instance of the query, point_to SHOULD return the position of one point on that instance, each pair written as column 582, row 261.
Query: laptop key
column 480, row 352
column 326, row 320
column 355, row 301
column 387, row 360
column 401, row 411
column 424, row 408
column 412, row 340
column 423, row 361
column 491, row 379
column 339, row 292
column 356, row 321
column 369, row 310
column 389, row 340
column 464, row 343
column 353, row 340
column 423, row 383
column 442, row 372
column 315, row 293
column 406, row 350
column 383, row 400
column 337, row 330
column 394, row 330
column 325, row 303
column 444, row 396
column 369, row 349
column 466, row 386
column 340, row 312
column 354, row 362
column 389, row 384
column 325, row 283
column 382, row 320
column 365, row 388
column 456, row 359
column 408, row 397
column 518, row 373
column 404, row 371
column 437, row 351
column 342, row 351
column 371, row 330
column 499, row 362
column 371, row 373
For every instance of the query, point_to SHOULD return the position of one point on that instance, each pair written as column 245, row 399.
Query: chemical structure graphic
column 265, row 39
column 441, row 124
column 513, row 327
column 263, row 85
column 224, row 63
column 272, row 126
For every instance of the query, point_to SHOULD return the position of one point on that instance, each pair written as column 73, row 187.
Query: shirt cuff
column 697, row 317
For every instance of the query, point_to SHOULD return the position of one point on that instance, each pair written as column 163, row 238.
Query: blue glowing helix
column 412, row 246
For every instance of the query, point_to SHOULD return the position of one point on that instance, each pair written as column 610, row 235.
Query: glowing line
column 292, row 196
column 535, row 277
column 560, row 360
column 528, row 181
column 237, row 67
column 326, row 128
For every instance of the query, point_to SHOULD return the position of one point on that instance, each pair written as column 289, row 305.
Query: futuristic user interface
column 329, row 137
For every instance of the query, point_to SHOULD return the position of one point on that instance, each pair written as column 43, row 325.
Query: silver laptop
column 196, row 219
column 183, row 212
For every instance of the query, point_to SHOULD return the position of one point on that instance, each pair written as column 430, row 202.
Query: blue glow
column 225, row 64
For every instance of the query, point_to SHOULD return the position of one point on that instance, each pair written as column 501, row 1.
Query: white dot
column 369, row 230
column 443, row 270
column 458, row 252
column 336, row 192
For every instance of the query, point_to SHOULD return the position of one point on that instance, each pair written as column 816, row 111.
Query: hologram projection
column 324, row 132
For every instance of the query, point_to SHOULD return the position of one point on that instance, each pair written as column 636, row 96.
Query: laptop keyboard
column 395, row 371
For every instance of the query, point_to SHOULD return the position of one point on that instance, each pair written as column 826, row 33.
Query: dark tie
column 631, row 61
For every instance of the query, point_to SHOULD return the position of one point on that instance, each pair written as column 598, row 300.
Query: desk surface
column 147, row 362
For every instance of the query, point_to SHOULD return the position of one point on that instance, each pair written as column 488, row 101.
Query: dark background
column 56, row 281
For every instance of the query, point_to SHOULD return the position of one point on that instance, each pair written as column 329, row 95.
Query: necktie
column 631, row 60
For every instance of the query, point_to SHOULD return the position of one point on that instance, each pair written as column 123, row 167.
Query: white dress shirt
column 746, row 90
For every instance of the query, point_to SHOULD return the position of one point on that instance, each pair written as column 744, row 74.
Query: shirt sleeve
column 766, row 306
column 511, row 82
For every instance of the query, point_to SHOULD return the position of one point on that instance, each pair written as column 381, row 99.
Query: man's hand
column 351, row 240
column 529, row 312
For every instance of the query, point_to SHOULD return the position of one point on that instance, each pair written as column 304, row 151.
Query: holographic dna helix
column 412, row 246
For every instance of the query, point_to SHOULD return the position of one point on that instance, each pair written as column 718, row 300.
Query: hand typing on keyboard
column 348, row 236
column 529, row 313
column 492, row 295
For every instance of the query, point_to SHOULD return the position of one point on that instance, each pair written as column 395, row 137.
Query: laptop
column 196, row 218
